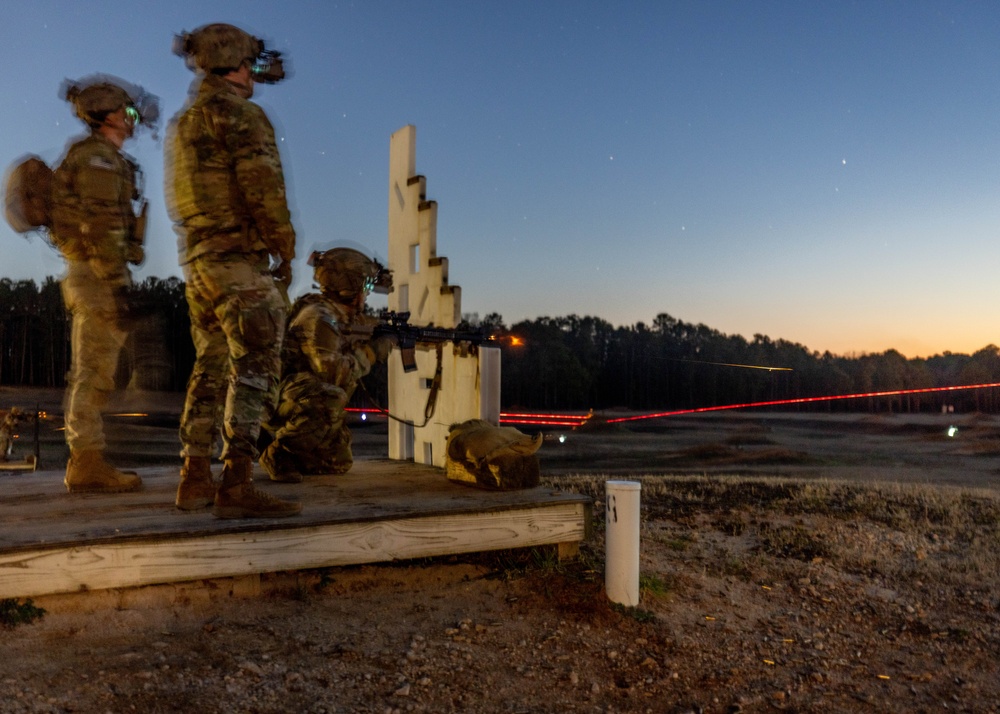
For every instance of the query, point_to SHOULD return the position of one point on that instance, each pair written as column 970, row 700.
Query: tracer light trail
column 731, row 364
column 539, row 422
column 572, row 417
column 571, row 420
column 804, row 400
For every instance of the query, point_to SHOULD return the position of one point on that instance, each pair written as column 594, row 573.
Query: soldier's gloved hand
column 364, row 358
column 382, row 346
column 282, row 272
column 135, row 254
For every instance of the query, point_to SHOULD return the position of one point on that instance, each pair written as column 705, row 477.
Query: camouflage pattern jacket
column 225, row 186
column 92, row 194
column 315, row 343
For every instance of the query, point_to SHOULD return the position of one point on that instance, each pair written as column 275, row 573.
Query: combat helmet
column 345, row 273
column 93, row 98
column 220, row 48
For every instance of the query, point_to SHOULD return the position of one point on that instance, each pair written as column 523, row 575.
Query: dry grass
column 947, row 535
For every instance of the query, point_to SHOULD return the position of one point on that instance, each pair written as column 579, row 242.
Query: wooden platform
column 52, row 542
column 16, row 466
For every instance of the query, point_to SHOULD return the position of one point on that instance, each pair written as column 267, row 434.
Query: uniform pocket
column 258, row 326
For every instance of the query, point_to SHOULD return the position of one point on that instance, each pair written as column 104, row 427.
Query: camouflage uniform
column 227, row 197
column 321, row 368
column 93, row 226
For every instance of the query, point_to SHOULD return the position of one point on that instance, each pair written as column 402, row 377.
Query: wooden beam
column 104, row 565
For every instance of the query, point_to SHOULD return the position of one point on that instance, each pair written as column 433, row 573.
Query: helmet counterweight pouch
column 27, row 195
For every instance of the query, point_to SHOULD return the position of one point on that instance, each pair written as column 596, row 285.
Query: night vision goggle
column 143, row 110
column 381, row 282
column 267, row 67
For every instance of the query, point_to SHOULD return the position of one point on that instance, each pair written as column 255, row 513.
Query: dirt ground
column 789, row 562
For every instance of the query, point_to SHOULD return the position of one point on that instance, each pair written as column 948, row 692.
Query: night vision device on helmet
column 94, row 98
column 220, row 48
column 347, row 273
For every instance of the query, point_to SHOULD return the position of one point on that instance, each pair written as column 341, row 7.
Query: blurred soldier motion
column 8, row 426
column 322, row 363
column 226, row 194
column 95, row 194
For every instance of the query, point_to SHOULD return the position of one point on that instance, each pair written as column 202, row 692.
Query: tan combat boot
column 238, row 498
column 88, row 472
column 196, row 489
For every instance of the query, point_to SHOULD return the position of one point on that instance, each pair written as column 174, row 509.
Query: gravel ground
column 748, row 604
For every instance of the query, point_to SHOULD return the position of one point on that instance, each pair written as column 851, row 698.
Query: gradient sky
column 822, row 172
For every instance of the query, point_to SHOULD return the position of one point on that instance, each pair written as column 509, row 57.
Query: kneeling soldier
column 322, row 363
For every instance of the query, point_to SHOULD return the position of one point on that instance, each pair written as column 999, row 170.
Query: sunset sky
column 825, row 172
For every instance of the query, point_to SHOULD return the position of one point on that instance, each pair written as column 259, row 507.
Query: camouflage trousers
column 310, row 427
column 237, row 325
column 96, row 341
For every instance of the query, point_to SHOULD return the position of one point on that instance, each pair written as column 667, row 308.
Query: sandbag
column 491, row 457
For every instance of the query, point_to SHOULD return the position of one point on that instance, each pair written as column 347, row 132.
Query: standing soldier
column 226, row 195
column 94, row 225
column 322, row 363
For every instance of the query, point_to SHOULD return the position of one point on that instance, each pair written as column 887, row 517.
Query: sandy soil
column 789, row 563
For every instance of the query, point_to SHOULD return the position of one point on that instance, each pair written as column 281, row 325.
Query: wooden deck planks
column 52, row 542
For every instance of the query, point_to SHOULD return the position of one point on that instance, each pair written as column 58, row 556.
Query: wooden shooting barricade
column 383, row 510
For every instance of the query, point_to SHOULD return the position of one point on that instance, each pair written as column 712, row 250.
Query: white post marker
column 621, row 542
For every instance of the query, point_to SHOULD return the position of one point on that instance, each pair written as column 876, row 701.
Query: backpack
column 27, row 192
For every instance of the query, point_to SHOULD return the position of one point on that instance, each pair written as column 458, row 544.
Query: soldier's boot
column 280, row 464
column 332, row 467
column 196, row 489
column 340, row 467
column 343, row 457
column 237, row 497
column 340, row 460
column 88, row 472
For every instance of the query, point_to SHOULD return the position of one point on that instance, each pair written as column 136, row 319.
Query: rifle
column 396, row 326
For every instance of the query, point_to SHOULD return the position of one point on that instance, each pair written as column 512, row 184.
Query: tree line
column 586, row 363
column 561, row 363
column 35, row 336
